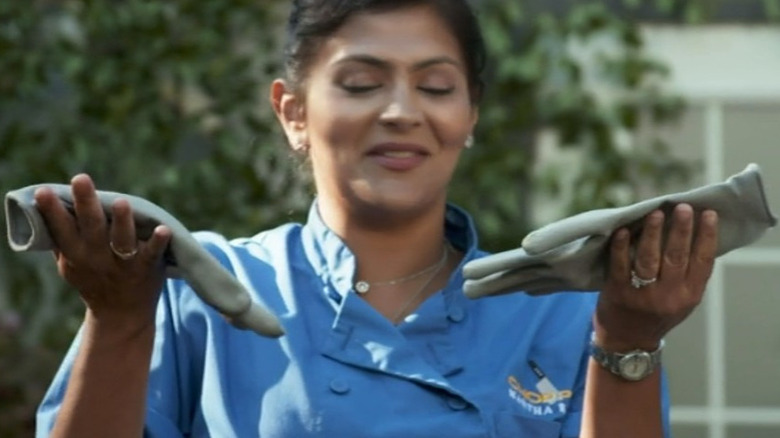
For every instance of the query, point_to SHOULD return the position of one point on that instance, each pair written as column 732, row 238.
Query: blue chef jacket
column 506, row 366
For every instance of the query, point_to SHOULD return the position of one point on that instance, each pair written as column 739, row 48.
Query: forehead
column 404, row 35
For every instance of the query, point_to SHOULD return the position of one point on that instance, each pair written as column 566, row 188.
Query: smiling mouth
column 399, row 154
column 398, row 160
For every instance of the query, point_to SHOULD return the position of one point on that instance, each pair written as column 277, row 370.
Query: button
column 339, row 386
column 457, row 403
column 456, row 314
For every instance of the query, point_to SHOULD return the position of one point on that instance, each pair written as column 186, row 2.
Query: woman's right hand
column 120, row 293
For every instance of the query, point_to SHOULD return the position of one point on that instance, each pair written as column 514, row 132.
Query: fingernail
column 656, row 217
column 39, row 191
column 709, row 217
column 684, row 209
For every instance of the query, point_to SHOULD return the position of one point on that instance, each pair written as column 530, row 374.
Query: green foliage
column 161, row 99
column 584, row 78
column 704, row 11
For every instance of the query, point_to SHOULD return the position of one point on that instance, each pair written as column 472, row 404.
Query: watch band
column 633, row 366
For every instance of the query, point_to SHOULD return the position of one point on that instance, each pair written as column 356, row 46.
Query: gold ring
column 124, row 255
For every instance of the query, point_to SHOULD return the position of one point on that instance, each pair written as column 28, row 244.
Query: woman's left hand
column 632, row 316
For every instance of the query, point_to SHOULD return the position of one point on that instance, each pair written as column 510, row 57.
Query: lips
column 398, row 156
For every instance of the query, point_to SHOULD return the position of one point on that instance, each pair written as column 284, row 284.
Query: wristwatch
column 634, row 365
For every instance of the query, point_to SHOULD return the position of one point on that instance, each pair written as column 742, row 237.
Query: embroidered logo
column 544, row 399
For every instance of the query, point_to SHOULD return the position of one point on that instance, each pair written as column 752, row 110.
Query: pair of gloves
column 567, row 255
column 572, row 254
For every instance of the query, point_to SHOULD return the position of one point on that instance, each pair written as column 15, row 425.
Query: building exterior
column 724, row 362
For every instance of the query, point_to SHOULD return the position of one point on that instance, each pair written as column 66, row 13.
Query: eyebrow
column 385, row 65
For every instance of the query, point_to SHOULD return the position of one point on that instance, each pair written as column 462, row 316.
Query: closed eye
column 437, row 91
column 360, row 89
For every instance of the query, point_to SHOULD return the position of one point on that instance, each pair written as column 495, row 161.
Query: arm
column 107, row 386
column 617, row 408
column 629, row 318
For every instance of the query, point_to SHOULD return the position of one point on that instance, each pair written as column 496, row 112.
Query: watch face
column 635, row 366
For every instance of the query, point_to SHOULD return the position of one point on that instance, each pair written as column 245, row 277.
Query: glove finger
column 595, row 222
column 535, row 287
column 513, row 280
column 552, row 285
column 494, row 263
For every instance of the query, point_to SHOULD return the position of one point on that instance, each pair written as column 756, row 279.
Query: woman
column 381, row 97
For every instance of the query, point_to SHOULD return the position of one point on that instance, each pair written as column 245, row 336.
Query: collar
column 335, row 263
column 419, row 349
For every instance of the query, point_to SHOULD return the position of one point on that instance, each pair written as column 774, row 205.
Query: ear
column 291, row 114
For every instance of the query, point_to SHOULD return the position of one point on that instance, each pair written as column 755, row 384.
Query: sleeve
column 173, row 389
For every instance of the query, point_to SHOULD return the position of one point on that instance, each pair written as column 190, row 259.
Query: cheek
column 453, row 126
column 337, row 124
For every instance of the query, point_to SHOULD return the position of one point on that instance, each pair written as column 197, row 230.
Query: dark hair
column 312, row 21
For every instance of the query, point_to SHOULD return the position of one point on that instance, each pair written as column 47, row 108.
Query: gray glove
column 571, row 254
column 185, row 257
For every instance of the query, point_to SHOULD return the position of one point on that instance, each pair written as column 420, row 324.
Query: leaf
column 772, row 9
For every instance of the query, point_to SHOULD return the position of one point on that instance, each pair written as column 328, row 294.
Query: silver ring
column 124, row 255
column 639, row 282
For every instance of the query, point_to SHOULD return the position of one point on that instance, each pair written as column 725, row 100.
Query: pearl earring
column 301, row 146
column 469, row 142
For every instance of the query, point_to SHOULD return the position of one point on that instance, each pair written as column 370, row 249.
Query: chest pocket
column 509, row 424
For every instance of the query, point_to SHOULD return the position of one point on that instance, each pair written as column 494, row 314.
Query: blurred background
column 589, row 104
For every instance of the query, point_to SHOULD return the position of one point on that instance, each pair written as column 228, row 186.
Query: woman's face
column 385, row 112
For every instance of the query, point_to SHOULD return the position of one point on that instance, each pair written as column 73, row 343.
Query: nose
column 402, row 110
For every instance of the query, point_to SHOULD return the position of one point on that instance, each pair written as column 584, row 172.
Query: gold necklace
column 417, row 294
column 363, row 286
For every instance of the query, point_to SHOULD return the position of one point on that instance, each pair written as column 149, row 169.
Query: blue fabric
column 455, row 368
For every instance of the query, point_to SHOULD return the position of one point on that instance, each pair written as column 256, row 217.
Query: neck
column 388, row 244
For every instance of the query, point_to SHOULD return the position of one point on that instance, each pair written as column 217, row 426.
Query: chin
column 397, row 201
column 384, row 197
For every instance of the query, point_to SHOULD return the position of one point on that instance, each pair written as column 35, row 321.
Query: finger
column 678, row 244
column 158, row 243
column 90, row 218
column 60, row 223
column 122, row 232
column 620, row 255
column 704, row 248
column 647, row 260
